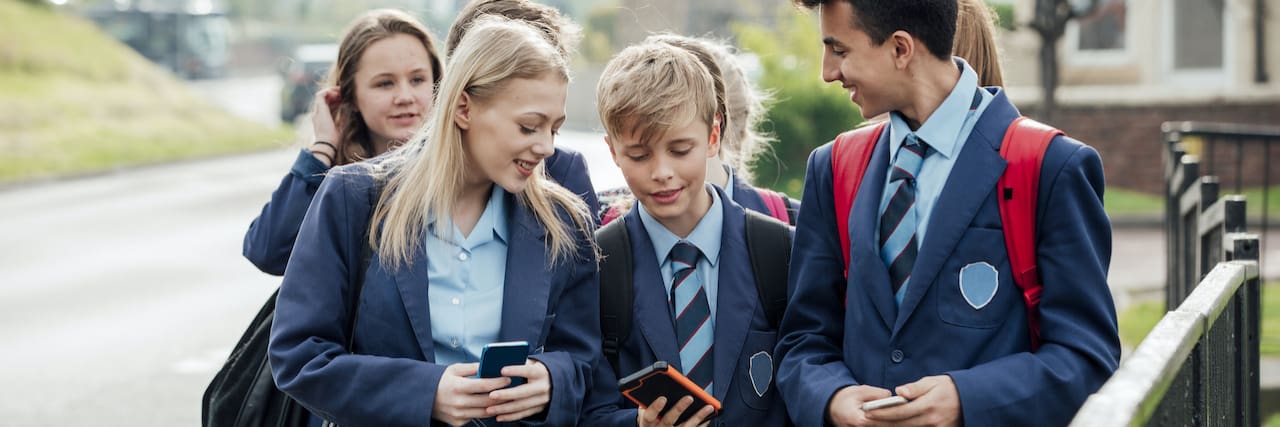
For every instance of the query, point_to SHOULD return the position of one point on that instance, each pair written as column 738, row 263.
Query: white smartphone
column 883, row 403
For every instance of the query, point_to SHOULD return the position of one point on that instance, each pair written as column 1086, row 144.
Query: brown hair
column 652, row 88
column 560, row 31
column 366, row 30
column 976, row 42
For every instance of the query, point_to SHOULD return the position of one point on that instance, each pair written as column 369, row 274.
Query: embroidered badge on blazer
column 761, row 372
column 979, row 282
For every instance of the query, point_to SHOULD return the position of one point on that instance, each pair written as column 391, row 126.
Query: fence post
column 1248, row 300
column 1182, row 224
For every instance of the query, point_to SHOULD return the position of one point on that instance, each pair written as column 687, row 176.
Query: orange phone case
column 659, row 380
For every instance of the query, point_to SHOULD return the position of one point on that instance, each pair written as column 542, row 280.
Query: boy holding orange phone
column 693, row 291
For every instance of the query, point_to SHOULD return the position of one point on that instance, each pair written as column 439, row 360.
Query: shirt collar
column 492, row 224
column 705, row 235
column 942, row 130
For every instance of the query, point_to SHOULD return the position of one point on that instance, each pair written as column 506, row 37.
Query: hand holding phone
column 659, row 380
column 498, row 355
column 884, row 403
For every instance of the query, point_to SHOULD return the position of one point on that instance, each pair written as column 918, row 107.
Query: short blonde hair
column 425, row 177
column 651, row 88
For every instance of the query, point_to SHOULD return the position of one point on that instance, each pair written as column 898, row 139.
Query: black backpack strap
column 791, row 210
column 769, row 245
column 616, row 289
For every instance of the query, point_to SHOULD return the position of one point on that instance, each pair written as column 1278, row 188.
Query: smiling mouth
column 526, row 168
column 666, row 196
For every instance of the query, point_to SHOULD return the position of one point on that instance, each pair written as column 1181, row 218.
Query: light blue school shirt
column 705, row 236
column 946, row 131
column 467, row 278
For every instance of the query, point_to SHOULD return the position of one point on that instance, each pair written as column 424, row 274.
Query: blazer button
column 896, row 356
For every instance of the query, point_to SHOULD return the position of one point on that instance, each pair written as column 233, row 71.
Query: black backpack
column 768, row 245
column 243, row 393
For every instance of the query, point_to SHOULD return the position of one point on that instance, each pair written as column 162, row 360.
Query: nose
column 662, row 169
column 830, row 69
column 544, row 147
column 403, row 96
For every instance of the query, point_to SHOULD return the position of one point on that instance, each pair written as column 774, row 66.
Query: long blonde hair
column 425, row 177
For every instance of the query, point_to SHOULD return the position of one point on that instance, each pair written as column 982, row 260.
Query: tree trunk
column 1048, row 79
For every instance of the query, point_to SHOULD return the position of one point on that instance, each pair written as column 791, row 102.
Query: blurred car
column 303, row 75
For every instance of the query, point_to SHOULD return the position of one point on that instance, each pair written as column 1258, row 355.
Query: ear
column 612, row 153
column 462, row 112
column 713, row 144
column 904, row 48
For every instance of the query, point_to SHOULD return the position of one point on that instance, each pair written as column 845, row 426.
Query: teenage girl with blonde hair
column 471, row 244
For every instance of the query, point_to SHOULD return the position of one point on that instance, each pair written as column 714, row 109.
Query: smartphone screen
column 498, row 355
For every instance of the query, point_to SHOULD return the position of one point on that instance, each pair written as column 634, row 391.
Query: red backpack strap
column 773, row 201
column 612, row 213
column 850, row 155
column 1023, row 148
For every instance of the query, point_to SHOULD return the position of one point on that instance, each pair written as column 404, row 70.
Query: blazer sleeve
column 605, row 405
column 308, row 354
column 269, row 241
column 569, row 169
column 1080, row 346
column 573, row 338
column 811, row 367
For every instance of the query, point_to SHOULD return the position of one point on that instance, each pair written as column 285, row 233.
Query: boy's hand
column 648, row 417
column 460, row 398
column 934, row 401
column 523, row 400
column 845, row 408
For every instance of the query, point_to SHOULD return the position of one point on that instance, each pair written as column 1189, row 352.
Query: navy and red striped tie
column 692, row 315
column 898, row 222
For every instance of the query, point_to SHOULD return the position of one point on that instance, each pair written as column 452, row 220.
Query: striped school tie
column 898, row 244
column 694, row 331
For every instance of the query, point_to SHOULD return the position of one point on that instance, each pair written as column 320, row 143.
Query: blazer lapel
column 735, row 304
column 652, row 309
column 414, row 285
column 866, row 270
column 527, row 284
column 972, row 180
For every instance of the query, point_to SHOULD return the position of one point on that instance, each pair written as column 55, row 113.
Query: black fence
column 1199, row 365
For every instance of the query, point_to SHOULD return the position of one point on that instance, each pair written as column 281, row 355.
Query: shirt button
column 896, row 356
column 462, row 256
column 454, row 342
column 456, row 301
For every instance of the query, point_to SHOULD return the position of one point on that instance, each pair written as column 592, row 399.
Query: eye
column 837, row 52
column 680, row 153
column 383, row 83
column 528, row 130
column 638, row 157
column 418, row 80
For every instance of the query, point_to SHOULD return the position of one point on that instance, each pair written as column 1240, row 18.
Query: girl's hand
column 460, row 397
column 522, row 401
column 650, row 416
column 326, row 143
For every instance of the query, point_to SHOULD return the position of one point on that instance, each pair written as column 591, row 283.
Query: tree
column 1050, row 22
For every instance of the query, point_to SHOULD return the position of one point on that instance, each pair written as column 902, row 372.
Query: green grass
column 75, row 101
column 1121, row 202
column 1138, row 319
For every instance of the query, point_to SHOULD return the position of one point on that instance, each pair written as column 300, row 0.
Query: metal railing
column 1199, row 365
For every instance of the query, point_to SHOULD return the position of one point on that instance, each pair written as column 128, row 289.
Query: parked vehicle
column 303, row 74
column 189, row 37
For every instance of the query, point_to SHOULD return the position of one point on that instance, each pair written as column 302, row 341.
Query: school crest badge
column 979, row 282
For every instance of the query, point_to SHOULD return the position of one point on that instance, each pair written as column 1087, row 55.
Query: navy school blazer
column 826, row 346
column 271, row 235
column 389, row 378
column 743, row 336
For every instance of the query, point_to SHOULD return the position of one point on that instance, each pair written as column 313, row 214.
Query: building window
column 1197, row 34
column 1104, row 29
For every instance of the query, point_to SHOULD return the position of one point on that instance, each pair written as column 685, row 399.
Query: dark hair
column 933, row 22
column 365, row 31
column 558, row 30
